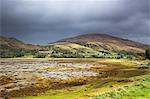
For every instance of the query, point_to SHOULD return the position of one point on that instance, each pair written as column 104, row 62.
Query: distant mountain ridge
column 106, row 42
column 89, row 42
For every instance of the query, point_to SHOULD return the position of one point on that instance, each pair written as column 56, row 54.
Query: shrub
column 147, row 53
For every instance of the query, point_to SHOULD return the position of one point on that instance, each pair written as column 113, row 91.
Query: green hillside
column 82, row 46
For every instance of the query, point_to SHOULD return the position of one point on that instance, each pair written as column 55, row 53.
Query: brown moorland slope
column 17, row 44
column 107, row 42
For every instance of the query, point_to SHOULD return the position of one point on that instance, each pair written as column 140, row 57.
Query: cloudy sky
column 43, row 21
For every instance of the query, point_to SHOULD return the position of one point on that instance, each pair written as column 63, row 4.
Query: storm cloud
column 43, row 21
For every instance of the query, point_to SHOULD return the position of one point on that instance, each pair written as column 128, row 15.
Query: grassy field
column 115, row 79
column 101, row 90
column 138, row 90
column 128, row 82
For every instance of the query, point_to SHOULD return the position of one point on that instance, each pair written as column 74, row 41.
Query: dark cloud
column 42, row 21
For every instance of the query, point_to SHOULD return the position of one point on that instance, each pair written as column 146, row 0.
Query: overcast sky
column 43, row 21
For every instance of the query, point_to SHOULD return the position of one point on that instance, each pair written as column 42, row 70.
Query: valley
column 96, row 66
column 75, row 49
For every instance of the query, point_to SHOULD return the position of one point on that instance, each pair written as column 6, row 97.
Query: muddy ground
column 23, row 77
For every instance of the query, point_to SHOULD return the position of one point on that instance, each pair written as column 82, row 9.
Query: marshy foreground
column 73, row 78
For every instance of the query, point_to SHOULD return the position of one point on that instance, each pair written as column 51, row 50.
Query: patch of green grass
column 81, row 92
column 139, row 90
column 119, row 62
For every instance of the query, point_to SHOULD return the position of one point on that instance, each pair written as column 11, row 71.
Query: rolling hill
column 82, row 46
column 96, row 45
column 106, row 42
column 13, row 43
